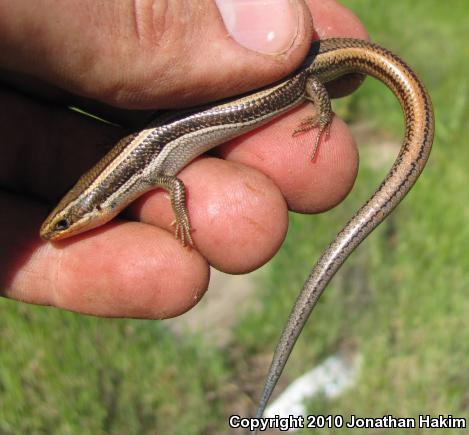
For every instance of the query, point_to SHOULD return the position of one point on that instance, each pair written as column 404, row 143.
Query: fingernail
column 266, row 26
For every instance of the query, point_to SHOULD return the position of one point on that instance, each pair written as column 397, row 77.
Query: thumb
column 154, row 53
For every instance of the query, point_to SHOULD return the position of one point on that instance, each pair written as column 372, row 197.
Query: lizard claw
column 182, row 232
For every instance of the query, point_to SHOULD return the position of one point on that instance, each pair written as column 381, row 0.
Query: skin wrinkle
column 139, row 32
column 176, row 63
column 156, row 29
column 151, row 23
column 160, row 8
column 136, row 20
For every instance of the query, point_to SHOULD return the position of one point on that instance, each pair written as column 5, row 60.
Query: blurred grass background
column 401, row 300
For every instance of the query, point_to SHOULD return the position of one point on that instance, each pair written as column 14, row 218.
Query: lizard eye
column 61, row 225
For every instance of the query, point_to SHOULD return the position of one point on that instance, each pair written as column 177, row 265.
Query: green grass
column 400, row 301
column 69, row 374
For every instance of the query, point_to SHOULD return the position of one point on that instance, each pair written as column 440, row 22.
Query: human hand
column 164, row 54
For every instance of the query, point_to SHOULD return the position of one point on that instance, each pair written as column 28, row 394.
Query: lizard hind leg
column 317, row 94
column 177, row 193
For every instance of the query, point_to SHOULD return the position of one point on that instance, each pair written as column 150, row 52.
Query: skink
column 152, row 157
